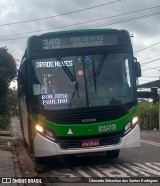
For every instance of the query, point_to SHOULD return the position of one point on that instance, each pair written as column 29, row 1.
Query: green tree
column 8, row 72
column 13, row 102
column 148, row 114
column 8, row 69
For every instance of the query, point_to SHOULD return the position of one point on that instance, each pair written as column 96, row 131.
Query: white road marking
column 112, row 171
column 95, row 172
column 151, row 143
column 80, row 171
column 140, row 170
column 147, row 169
column 153, row 166
column 157, row 163
column 126, row 170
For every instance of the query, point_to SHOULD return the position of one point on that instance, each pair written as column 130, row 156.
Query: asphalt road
column 132, row 164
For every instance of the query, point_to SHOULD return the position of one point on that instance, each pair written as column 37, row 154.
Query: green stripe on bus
column 85, row 129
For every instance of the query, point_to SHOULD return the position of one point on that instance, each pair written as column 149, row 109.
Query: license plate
column 90, row 143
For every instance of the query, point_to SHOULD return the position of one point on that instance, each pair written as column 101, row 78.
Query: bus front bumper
column 44, row 147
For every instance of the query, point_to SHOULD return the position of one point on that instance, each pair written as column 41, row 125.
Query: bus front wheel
column 113, row 154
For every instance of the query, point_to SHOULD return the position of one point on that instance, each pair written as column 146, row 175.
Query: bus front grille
column 86, row 115
column 104, row 141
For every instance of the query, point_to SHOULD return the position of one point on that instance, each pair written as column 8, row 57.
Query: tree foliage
column 13, row 102
column 148, row 114
column 8, row 72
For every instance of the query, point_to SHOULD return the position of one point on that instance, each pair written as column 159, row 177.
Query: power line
column 149, row 77
column 54, row 16
column 147, row 47
column 144, row 63
column 127, row 19
column 151, row 68
column 145, row 76
column 116, row 22
column 151, row 58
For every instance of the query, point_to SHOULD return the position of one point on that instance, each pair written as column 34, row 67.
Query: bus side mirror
column 137, row 68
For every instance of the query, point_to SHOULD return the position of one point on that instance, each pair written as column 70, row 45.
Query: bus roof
column 77, row 31
column 67, row 39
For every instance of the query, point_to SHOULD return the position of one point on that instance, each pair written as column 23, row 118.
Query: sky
column 22, row 19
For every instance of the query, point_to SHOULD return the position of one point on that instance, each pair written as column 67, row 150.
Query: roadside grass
column 4, row 122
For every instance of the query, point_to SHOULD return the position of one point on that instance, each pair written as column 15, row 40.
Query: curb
column 15, row 159
column 5, row 133
column 16, row 163
column 9, row 146
column 24, row 165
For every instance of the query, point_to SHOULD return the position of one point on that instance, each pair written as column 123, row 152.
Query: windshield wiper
column 94, row 78
column 101, row 64
column 76, row 87
column 69, row 74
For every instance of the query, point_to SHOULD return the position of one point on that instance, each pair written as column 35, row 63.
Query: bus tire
column 113, row 154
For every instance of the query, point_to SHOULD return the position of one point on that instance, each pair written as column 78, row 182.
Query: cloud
column 146, row 31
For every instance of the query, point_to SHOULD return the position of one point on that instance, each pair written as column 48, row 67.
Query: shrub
column 4, row 122
column 148, row 114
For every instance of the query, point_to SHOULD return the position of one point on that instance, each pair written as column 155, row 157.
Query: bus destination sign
column 79, row 41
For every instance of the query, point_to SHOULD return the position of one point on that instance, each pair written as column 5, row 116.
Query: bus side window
column 22, row 78
column 126, row 77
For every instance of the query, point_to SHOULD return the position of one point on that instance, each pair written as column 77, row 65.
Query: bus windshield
column 102, row 80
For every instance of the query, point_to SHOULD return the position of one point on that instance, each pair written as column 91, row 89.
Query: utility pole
column 159, row 112
column 159, row 101
column 159, row 106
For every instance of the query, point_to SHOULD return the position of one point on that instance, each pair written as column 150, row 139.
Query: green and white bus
column 78, row 94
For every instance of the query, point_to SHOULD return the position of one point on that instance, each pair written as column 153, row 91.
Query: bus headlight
column 131, row 124
column 44, row 132
column 134, row 120
column 39, row 128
